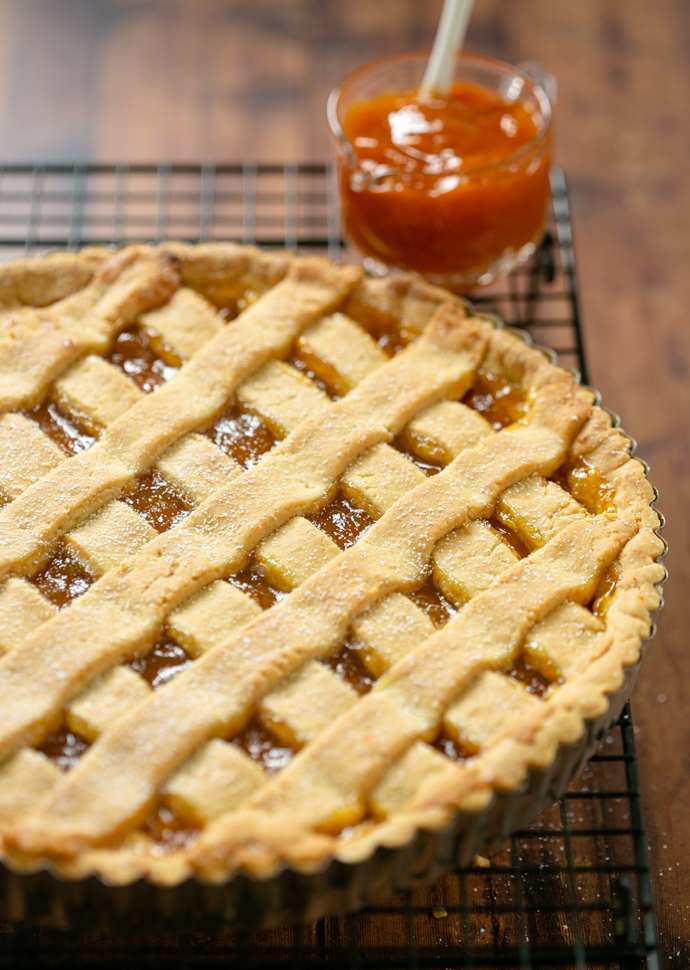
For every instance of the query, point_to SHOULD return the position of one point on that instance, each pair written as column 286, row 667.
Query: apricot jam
column 449, row 187
column 62, row 578
column 496, row 400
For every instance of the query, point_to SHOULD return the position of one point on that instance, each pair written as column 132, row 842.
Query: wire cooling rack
column 572, row 891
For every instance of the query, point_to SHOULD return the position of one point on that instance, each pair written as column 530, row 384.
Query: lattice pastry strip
column 281, row 397
column 445, row 429
column 484, row 713
column 227, row 274
column 402, row 459
column 27, row 455
column 202, row 482
column 24, row 781
column 377, row 479
column 210, row 616
column 117, row 532
column 216, row 780
column 250, row 506
column 466, row 562
column 472, row 559
column 297, row 710
column 374, row 482
column 389, row 630
column 109, row 537
column 95, row 392
column 400, row 784
column 484, row 710
column 22, row 610
column 305, row 704
column 340, row 352
column 292, row 553
column 536, row 509
column 197, row 468
column 557, row 645
column 99, row 707
column 287, row 558
column 180, row 328
column 294, row 713
column 469, row 560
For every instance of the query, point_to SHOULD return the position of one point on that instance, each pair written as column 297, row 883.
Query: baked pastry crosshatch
column 296, row 563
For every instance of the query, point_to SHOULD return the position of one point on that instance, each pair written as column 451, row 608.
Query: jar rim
column 481, row 59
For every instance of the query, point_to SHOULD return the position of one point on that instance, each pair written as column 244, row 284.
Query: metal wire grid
column 574, row 890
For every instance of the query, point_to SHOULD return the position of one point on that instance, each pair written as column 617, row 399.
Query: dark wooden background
column 227, row 80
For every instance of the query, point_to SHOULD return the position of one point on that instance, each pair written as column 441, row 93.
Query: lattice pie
column 295, row 562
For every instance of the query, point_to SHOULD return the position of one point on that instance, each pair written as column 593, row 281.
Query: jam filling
column 157, row 501
column 64, row 748
column 229, row 297
column 253, row 582
column 390, row 334
column 132, row 353
column 496, row 400
column 347, row 665
column 391, row 342
column 262, row 748
column 523, row 672
column 61, row 427
column 342, row 521
column 448, row 747
column 242, row 436
column 604, row 594
column 62, row 578
column 586, row 485
column 165, row 661
column 168, row 830
column 159, row 347
column 435, row 605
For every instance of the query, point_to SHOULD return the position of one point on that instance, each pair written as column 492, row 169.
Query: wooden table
column 205, row 79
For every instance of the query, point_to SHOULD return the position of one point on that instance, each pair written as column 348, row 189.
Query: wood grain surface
column 149, row 80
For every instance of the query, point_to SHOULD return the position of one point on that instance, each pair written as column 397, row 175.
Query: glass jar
column 458, row 222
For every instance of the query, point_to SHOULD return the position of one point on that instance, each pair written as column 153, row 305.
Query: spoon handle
column 450, row 36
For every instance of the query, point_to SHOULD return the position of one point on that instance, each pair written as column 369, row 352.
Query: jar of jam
column 455, row 187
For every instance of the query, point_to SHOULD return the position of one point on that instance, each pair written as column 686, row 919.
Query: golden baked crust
column 536, row 535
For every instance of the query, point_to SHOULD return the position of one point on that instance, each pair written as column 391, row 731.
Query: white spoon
column 450, row 36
